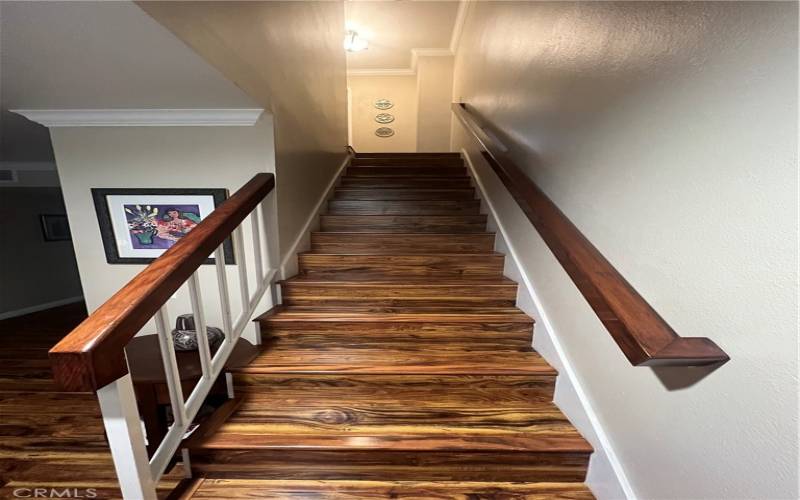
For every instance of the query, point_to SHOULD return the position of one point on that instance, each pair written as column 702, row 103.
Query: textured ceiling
column 393, row 28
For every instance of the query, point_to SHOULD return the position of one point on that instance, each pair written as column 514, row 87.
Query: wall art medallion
column 384, row 132
column 384, row 118
column 138, row 225
column 384, row 104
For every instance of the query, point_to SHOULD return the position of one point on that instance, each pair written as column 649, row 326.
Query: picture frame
column 137, row 225
column 55, row 227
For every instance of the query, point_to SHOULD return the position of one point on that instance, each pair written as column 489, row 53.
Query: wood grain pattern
column 429, row 265
column 396, row 182
column 409, row 171
column 92, row 355
column 420, row 161
column 48, row 438
column 355, row 242
column 396, row 355
column 428, row 193
column 373, row 490
column 404, row 223
column 640, row 332
column 403, row 207
column 393, row 293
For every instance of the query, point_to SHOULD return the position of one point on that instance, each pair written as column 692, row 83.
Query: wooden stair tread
column 363, row 242
column 373, row 490
column 397, row 355
column 321, row 419
column 403, row 207
column 407, row 254
column 406, row 314
column 355, row 279
column 465, row 224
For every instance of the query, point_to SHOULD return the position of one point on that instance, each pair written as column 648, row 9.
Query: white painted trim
column 415, row 54
column 24, row 166
column 458, row 26
column 312, row 217
column 141, row 117
column 455, row 37
column 40, row 307
column 382, row 72
column 432, row 52
column 567, row 369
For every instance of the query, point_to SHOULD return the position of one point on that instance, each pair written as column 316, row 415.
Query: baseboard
column 40, row 307
column 286, row 267
column 606, row 476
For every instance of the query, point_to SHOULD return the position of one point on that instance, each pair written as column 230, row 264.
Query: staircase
column 397, row 365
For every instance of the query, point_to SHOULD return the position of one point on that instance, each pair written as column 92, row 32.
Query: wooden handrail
column 92, row 355
column 642, row 335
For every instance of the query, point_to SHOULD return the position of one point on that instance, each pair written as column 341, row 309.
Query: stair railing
column 92, row 357
column 639, row 331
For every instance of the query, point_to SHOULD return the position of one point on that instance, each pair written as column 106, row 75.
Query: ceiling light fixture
column 354, row 43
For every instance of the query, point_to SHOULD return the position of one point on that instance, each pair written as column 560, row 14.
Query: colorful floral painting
column 160, row 226
column 138, row 225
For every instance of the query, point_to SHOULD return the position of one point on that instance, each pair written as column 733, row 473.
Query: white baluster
column 254, row 219
column 224, row 296
column 200, row 325
column 126, row 440
column 241, row 264
column 171, row 372
column 271, row 273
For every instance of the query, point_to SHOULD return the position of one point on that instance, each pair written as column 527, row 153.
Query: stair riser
column 393, row 296
column 431, row 171
column 515, row 334
column 401, row 224
column 406, row 265
column 404, row 182
column 372, row 465
column 404, row 194
column 418, row 162
column 401, row 302
column 448, row 207
column 420, row 154
column 401, row 243
column 379, row 390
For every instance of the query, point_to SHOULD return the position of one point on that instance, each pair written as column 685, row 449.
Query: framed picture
column 138, row 225
column 55, row 227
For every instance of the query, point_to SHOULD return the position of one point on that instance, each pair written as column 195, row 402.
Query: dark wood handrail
column 644, row 337
column 92, row 355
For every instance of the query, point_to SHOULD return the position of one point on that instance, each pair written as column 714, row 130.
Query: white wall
column 288, row 56
column 434, row 92
column 667, row 133
column 402, row 91
column 163, row 157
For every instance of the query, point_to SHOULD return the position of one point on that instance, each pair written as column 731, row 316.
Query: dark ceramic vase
column 184, row 336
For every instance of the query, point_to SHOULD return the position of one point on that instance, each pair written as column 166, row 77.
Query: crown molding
column 382, row 72
column 423, row 52
column 142, row 117
column 458, row 26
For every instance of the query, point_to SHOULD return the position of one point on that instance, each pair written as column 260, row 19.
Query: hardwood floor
column 48, row 438
column 397, row 365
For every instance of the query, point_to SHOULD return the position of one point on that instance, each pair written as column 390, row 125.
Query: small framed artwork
column 55, row 227
column 138, row 225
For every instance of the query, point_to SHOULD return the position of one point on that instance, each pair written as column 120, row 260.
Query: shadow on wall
column 676, row 378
